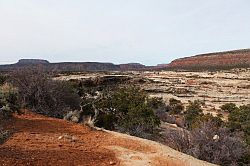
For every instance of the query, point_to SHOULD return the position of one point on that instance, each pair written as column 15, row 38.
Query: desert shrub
column 4, row 135
column 8, row 101
column 175, row 106
column 139, row 121
column 127, row 109
column 216, row 145
column 239, row 120
column 217, row 121
column 3, row 79
column 192, row 113
column 229, row 107
column 37, row 91
column 178, row 139
column 210, row 143
column 156, row 102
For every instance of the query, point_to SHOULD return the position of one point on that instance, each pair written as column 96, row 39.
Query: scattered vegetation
column 129, row 110
column 4, row 135
column 8, row 101
column 37, row 91
column 209, row 138
column 193, row 113
column 239, row 120
column 210, row 143
column 229, row 107
column 175, row 106
column 3, row 79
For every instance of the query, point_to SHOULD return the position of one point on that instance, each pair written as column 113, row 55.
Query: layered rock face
column 220, row 60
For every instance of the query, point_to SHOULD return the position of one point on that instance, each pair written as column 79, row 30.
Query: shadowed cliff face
column 220, row 60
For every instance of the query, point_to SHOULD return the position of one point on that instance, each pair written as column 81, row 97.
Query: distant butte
column 32, row 61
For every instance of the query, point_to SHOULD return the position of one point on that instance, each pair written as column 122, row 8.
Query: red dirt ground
column 35, row 142
column 39, row 140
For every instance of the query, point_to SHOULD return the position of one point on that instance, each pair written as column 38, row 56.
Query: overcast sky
column 121, row 31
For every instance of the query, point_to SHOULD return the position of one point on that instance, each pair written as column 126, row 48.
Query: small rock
column 112, row 163
column 75, row 119
column 216, row 137
column 73, row 139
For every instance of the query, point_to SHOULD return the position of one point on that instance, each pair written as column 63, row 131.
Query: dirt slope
column 40, row 140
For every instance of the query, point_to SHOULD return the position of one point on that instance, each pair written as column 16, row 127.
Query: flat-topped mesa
column 219, row 60
column 32, row 61
column 131, row 66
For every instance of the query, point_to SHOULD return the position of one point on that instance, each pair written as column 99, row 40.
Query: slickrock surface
column 39, row 140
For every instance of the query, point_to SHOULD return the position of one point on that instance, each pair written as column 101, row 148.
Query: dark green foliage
column 139, row 120
column 176, row 107
column 217, row 121
column 229, row 107
column 8, row 101
column 128, row 110
column 239, row 119
column 3, row 79
column 192, row 113
column 4, row 136
column 156, row 102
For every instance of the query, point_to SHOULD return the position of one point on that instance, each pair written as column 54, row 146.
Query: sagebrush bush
column 3, row 79
column 8, row 100
column 175, row 106
column 4, row 135
column 210, row 143
column 39, row 92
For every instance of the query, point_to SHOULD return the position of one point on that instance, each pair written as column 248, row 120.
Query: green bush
column 176, row 107
column 3, row 79
column 192, row 113
column 229, row 107
column 239, row 120
column 127, row 109
column 156, row 102
column 217, row 121
column 8, row 101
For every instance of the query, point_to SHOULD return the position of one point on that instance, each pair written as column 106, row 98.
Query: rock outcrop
column 219, row 60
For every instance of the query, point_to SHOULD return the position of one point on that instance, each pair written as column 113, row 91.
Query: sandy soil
column 39, row 140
